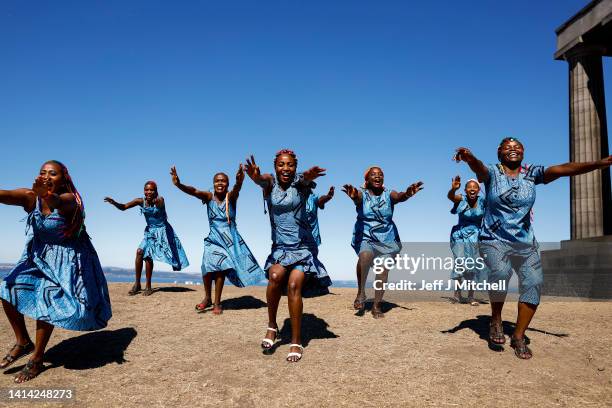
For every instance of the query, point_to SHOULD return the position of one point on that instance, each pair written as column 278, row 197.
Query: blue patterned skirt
column 305, row 260
column 62, row 284
column 163, row 245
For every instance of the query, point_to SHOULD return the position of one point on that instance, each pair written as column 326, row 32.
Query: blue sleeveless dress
column 464, row 237
column 58, row 280
column 225, row 250
column 160, row 242
column 374, row 229
column 293, row 245
column 313, row 218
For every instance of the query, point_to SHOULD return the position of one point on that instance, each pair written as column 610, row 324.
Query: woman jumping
column 160, row 242
column 58, row 281
column 507, row 241
column 375, row 233
column 225, row 252
column 293, row 262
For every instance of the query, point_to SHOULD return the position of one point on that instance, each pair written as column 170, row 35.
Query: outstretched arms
column 262, row 180
column 405, row 195
column 353, row 193
column 452, row 193
column 238, row 184
column 192, row 191
column 135, row 202
column 325, row 198
column 478, row 167
column 65, row 203
column 573, row 169
column 22, row 197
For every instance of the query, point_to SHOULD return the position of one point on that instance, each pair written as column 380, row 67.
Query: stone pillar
column 591, row 201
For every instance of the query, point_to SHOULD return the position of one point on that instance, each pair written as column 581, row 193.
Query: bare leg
column 276, row 278
column 149, row 272
column 296, row 306
column 138, row 268
column 378, row 295
column 363, row 266
column 35, row 365
column 22, row 338
column 219, row 281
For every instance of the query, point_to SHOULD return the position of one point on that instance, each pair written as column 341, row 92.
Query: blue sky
column 122, row 90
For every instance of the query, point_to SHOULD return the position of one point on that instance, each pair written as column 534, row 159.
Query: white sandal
column 267, row 341
column 295, row 354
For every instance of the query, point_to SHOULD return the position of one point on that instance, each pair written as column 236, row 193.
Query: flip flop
column 31, row 370
column 147, row 292
column 201, row 307
column 520, row 348
column 134, row 291
column 25, row 350
column 217, row 310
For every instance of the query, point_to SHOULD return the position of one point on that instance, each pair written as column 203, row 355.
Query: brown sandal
column 496, row 334
column 217, row 310
column 147, row 292
column 134, row 291
column 520, row 348
column 31, row 370
column 25, row 350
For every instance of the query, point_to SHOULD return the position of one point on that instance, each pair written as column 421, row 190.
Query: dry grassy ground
column 157, row 352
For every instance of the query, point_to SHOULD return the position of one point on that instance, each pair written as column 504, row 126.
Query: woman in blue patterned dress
column 507, row 242
column 293, row 263
column 160, row 242
column 225, row 252
column 313, row 204
column 464, row 235
column 375, row 233
column 58, row 281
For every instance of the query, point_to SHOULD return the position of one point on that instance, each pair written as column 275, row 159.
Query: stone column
column 591, row 201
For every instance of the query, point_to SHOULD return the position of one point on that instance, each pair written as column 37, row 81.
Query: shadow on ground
column 243, row 303
column 312, row 328
column 173, row 289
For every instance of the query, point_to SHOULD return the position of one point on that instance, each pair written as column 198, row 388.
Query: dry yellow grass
column 157, row 352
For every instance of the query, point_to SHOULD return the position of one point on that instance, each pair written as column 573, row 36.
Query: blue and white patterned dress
column 464, row 237
column 293, row 245
column 374, row 229
column 58, row 279
column 507, row 241
column 225, row 250
column 313, row 218
column 160, row 242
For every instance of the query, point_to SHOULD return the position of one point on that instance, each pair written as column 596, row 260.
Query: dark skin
column 151, row 198
column 50, row 188
column 472, row 189
column 221, row 186
column 375, row 180
column 511, row 155
column 285, row 167
column 324, row 199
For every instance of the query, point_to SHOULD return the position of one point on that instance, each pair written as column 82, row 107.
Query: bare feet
column 359, row 303
column 377, row 312
column 135, row 290
column 147, row 292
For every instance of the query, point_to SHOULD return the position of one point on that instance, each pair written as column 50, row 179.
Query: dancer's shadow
column 480, row 326
column 384, row 307
column 90, row 350
column 242, row 303
column 312, row 328
column 464, row 300
column 173, row 289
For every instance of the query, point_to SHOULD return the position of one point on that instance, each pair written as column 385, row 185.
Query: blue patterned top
column 155, row 216
column 375, row 219
column 312, row 209
column 288, row 220
column 508, row 204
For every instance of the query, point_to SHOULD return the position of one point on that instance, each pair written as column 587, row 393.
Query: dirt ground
column 158, row 352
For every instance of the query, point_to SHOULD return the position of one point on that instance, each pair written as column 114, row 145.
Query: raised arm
column 405, row 195
column 452, row 193
column 135, row 202
column 238, row 184
column 353, row 193
column 262, row 180
column 478, row 167
column 64, row 203
column 22, row 197
column 192, row 191
column 325, row 198
column 312, row 174
column 573, row 169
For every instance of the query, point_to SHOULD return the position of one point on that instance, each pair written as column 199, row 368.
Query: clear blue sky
column 122, row 90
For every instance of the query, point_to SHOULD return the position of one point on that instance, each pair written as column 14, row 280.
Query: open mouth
column 513, row 155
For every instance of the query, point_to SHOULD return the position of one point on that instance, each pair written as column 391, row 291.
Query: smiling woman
column 59, row 280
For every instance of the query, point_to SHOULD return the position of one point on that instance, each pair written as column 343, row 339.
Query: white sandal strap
column 294, row 354
column 296, row 345
column 273, row 329
column 268, row 341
